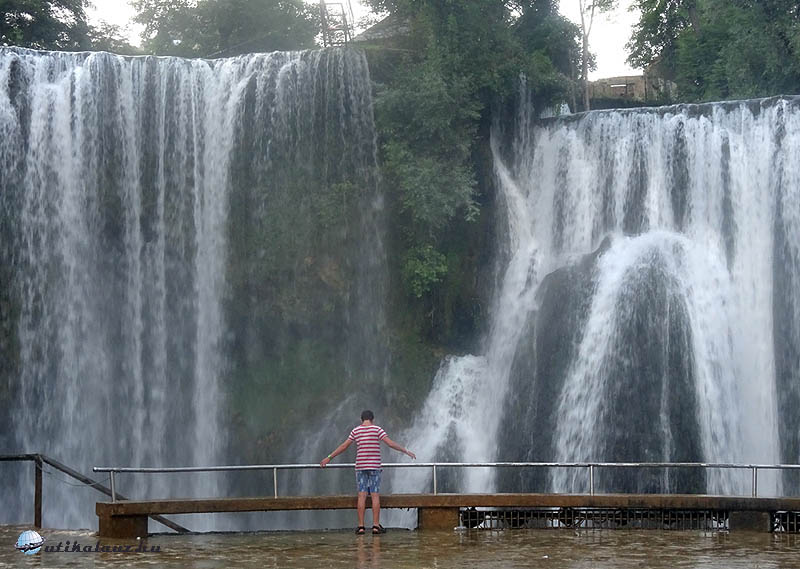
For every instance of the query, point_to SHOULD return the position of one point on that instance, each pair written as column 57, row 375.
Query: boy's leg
column 375, row 491
column 362, row 484
column 376, row 509
column 362, row 506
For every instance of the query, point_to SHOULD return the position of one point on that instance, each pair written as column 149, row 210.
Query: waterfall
column 139, row 199
column 647, row 307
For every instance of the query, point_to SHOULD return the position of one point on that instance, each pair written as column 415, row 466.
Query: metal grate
column 595, row 518
column 786, row 522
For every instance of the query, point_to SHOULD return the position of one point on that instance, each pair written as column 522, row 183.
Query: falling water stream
column 647, row 309
column 118, row 175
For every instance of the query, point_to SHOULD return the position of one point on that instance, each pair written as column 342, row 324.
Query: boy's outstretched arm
column 339, row 450
column 396, row 446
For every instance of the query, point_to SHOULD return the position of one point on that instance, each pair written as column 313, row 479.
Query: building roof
column 391, row 26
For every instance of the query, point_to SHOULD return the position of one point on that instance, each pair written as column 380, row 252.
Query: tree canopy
column 720, row 49
column 44, row 24
column 58, row 25
column 224, row 28
column 461, row 58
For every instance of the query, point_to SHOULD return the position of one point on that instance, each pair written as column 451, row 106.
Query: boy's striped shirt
column 368, row 446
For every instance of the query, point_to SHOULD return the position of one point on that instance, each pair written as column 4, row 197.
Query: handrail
column 37, row 482
column 17, row 457
column 298, row 466
column 40, row 459
column 591, row 466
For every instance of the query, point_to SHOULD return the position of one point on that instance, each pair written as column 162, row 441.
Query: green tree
column 655, row 36
column 461, row 55
column 44, row 24
column 223, row 28
column 549, row 42
column 459, row 60
column 721, row 49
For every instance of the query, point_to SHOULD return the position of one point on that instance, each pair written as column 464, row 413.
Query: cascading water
column 675, row 294
column 671, row 355
column 140, row 210
column 166, row 225
column 648, row 308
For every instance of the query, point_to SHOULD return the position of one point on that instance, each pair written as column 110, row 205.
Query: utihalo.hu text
column 76, row 547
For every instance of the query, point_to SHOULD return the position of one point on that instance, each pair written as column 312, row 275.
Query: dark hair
column 367, row 415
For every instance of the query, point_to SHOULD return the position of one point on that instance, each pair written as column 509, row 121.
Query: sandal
column 378, row 529
column 361, row 530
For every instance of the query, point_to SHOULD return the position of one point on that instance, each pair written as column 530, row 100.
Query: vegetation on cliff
column 434, row 96
column 720, row 49
column 224, row 28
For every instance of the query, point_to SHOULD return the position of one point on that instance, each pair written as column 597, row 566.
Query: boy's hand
column 325, row 462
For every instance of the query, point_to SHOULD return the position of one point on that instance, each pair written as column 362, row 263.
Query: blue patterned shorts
column 369, row 481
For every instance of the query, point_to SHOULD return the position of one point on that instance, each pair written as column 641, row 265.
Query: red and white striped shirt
column 368, row 446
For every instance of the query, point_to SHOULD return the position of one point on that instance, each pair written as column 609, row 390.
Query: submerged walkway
column 128, row 519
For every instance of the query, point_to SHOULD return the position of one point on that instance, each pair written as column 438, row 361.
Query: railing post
column 113, row 486
column 275, row 481
column 591, row 479
column 755, row 481
column 435, row 490
column 37, row 492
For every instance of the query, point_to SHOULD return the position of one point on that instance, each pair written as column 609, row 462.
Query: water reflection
column 369, row 552
column 402, row 549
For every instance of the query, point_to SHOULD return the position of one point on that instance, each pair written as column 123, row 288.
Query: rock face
column 537, row 375
column 650, row 389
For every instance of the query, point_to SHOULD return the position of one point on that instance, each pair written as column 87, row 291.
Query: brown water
column 440, row 550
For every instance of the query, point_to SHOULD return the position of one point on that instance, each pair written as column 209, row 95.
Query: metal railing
column 589, row 466
column 37, row 481
column 40, row 460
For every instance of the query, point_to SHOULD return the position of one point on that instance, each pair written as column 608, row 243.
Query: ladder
column 336, row 25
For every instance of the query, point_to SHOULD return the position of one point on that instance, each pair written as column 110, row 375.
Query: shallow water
column 411, row 549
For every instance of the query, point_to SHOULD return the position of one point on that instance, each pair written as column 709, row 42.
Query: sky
column 609, row 33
